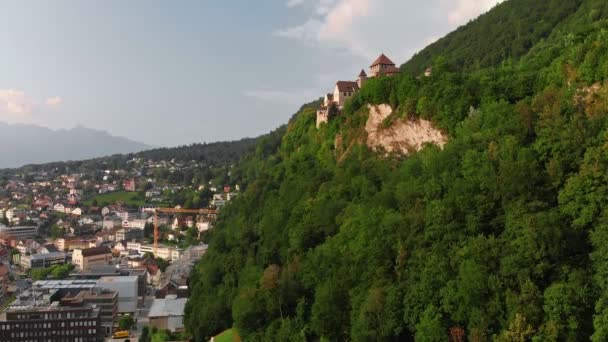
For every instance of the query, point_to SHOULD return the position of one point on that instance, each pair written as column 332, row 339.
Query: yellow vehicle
column 121, row 334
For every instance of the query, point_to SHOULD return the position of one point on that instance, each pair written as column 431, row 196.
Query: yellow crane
column 206, row 212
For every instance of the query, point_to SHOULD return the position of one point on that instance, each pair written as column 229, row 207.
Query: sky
column 169, row 73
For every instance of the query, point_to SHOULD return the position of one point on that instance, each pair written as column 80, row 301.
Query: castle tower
column 383, row 66
column 362, row 78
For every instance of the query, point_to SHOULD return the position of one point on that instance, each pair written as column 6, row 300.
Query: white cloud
column 468, row 9
column 54, row 101
column 365, row 28
column 309, row 31
column 333, row 25
column 17, row 106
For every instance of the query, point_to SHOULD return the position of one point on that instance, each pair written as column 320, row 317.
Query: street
column 142, row 320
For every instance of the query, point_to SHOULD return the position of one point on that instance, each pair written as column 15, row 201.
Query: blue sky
column 175, row 72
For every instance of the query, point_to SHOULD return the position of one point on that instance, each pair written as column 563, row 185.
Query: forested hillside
column 218, row 153
column 501, row 235
column 508, row 31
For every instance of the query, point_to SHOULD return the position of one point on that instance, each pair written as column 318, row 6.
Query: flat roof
column 167, row 307
column 65, row 284
column 118, row 279
column 47, row 255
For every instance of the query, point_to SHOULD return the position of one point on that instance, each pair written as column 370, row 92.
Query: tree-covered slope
column 508, row 31
column 501, row 235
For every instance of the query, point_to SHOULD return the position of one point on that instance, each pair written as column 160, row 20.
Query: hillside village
column 95, row 233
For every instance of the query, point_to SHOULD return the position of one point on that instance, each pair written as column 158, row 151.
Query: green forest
column 210, row 154
column 502, row 235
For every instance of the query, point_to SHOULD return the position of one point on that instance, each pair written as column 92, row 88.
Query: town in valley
column 79, row 255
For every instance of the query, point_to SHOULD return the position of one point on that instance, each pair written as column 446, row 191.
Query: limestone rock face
column 402, row 136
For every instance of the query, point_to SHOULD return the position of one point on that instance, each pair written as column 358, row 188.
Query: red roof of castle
column 362, row 74
column 347, row 86
column 382, row 60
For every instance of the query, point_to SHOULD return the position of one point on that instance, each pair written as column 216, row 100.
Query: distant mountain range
column 30, row 144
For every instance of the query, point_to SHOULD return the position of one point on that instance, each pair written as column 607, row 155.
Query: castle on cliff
column 343, row 90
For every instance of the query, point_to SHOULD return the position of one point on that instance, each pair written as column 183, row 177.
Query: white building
column 126, row 286
column 124, row 215
column 168, row 313
column 137, row 223
column 20, row 232
column 203, row 226
column 14, row 213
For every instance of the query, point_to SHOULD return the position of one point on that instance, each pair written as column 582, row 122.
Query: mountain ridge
column 33, row 144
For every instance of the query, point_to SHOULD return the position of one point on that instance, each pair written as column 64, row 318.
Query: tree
column 430, row 328
column 162, row 263
column 61, row 271
column 332, row 111
column 56, row 232
column 145, row 334
column 126, row 322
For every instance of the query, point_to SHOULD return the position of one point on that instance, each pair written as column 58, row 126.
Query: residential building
column 98, row 272
column 42, row 260
column 129, row 184
column 126, row 234
column 4, row 279
column 16, row 214
column 27, row 246
column 19, row 232
column 47, row 248
column 105, row 300
column 135, row 223
column 165, row 252
column 195, row 253
column 84, row 259
column 121, row 246
column 124, row 215
column 76, row 243
column 168, row 313
column 61, row 244
column 127, row 288
column 203, row 225
column 36, row 316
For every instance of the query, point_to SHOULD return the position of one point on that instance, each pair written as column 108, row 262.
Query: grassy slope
column 128, row 198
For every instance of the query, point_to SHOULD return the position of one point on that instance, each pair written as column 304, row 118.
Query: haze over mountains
column 31, row 144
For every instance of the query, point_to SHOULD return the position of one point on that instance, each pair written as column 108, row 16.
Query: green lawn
column 229, row 335
column 128, row 198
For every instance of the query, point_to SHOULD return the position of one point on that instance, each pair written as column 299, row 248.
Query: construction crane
column 207, row 212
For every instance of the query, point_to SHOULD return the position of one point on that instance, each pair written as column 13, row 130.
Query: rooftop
column 168, row 307
column 42, row 256
column 118, row 279
column 382, row 60
column 65, row 284
column 96, row 251
column 347, row 86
